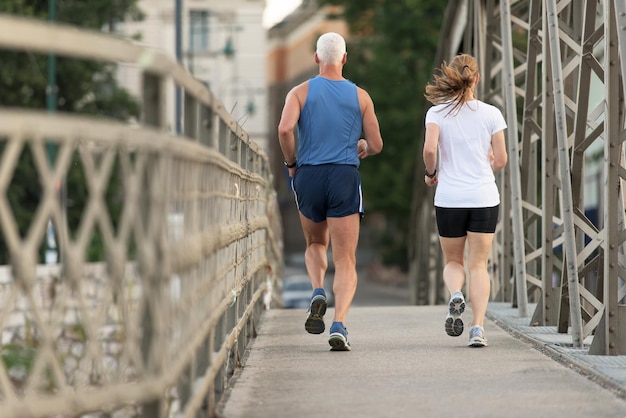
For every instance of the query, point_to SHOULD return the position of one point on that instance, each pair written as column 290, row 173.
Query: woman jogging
column 468, row 135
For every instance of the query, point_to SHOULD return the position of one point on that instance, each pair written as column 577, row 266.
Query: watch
column 430, row 176
column 292, row 165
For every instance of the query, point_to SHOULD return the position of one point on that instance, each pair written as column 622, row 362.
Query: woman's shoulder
column 437, row 108
column 434, row 113
column 488, row 106
column 492, row 114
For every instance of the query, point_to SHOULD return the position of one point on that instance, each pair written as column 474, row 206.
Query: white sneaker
column 477, row 337
column 454, row 323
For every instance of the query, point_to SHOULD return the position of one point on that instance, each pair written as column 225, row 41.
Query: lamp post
column 179, row 58
column 51, row 255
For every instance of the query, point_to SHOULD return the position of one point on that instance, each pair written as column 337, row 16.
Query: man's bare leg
column 316, row 261
column 344, row 235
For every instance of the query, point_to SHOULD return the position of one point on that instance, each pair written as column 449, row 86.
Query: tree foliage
column 391, row 53
column 84, row 87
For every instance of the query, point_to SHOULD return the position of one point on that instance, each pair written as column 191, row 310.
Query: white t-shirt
column 465, row 177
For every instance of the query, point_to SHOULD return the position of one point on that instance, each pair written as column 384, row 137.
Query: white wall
column 236, row 81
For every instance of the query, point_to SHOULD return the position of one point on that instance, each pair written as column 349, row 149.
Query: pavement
column 403, row 364
column 608, row 371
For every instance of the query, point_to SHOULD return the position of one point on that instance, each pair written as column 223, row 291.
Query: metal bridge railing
column 557, row 70
column 156, row 327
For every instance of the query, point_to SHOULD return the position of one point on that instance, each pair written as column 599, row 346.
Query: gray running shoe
column 477, row 337
column 315, row 321
column 454, row 323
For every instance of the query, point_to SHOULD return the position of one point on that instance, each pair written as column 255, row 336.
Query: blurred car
column 296, row 260
column 297, row 291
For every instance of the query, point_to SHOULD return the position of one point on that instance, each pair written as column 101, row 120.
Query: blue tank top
column 330, row 123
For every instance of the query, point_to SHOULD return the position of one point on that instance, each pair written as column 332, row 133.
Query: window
column 198, row 30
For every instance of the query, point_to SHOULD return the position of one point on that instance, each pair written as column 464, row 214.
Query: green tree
column 391, row 53
column 84, row 87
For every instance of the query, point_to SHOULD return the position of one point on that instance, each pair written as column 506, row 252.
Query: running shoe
column 477, row 337
column 454, row 323
column 338, row 337
column 315, row 321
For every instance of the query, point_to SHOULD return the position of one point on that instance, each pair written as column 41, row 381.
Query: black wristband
column 292, row 165
column 430, row 176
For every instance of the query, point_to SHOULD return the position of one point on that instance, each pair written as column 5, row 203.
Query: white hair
column 330, row 48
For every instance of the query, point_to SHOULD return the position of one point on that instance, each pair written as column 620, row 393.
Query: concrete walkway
column 404, row 365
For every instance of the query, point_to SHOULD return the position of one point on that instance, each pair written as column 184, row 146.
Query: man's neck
column 332, row 72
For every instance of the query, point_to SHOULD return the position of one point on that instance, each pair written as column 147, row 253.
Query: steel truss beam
column 557, row 68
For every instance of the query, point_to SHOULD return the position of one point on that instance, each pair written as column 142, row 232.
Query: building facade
column 222, row 42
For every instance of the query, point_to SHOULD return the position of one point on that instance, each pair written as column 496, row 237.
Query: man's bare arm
column 288, row 121
column 371, row 128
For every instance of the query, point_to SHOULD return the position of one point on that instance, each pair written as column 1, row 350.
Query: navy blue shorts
column 456, row 222
column 327, row 191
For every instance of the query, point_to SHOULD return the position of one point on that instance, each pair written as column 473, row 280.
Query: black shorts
column 456, row 222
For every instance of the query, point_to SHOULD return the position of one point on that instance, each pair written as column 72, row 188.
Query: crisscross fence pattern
column 189, row 247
